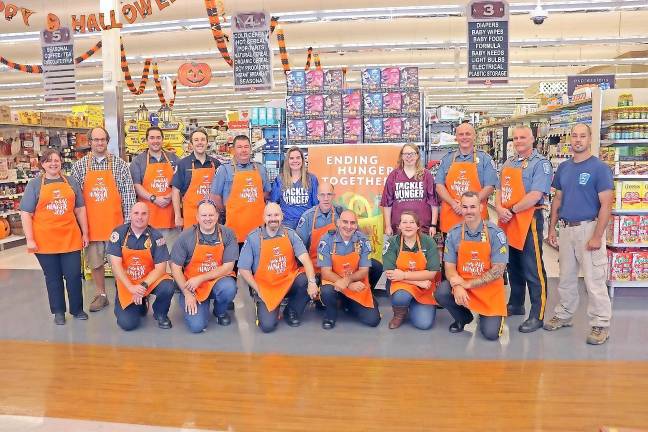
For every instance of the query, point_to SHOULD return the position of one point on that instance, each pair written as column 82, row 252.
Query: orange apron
column 413, row 261
column 205, row 259
column 346, row 265
column 54, row 223
column 102, row 201
column 245, row 204
column 316, row 236
column 512, row 192
column 462, row 177
column 473, row 260
column 201, row 179
column 277, row 269
column 137, row 264
column 157, row 181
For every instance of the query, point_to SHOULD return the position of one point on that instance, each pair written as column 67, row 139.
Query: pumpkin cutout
column 4, row 228
column 53, row 22
column 194, row 74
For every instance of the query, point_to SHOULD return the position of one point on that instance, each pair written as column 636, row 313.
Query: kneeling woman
column 411, row 261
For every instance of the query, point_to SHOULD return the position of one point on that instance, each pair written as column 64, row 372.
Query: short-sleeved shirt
column 580, row 184
column 294, row 200
column 30, row 198
column 325, row 248
column 138, row 164
column 486, row 169
column 428, row 247
column 222, row 183
column 182, row 177
column 496, row 237
column 402, row 193
column 251, row 250
column 184, row 247
column 150, row 239
column 305, row 224
column 537, row 174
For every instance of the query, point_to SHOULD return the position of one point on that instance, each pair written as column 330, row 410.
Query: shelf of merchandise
column 11, row 241
column 628, row 245
column 534, row 115
column 622, row 212
column 625, row 284
column 607, row 143
column 17, row 181
column 631, row 177
column 9, row 213
column 12, row 196
column 608, row 123
column 19, row 125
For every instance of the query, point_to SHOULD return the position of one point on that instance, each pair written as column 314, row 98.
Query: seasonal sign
column 58, row 65
column 488, row 41
column 252, row 53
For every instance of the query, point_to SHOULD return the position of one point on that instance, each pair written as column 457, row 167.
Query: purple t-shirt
column 403, row 193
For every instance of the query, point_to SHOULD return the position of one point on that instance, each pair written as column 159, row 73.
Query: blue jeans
column 131, row 317
column 420, row 315
column 223, row 292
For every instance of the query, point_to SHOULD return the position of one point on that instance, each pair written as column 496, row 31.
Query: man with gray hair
column 525, row 181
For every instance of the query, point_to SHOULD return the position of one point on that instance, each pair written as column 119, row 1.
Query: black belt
column 577, row 223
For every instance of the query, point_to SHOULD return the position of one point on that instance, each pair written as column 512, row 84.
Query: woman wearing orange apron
column 54, row 220
column 138, row 257
column 475, row 258
column 268, row 263
column 411, row 261
column 344, row 259
column 202, row 260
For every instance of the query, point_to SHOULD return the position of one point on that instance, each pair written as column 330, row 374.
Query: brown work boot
column 99, row 302
column 400, row 313
column 598, row 335
column 555, row 323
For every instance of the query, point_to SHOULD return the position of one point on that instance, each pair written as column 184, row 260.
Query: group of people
column 211, row 224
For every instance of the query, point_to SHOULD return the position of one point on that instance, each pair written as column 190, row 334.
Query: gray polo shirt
column 138, row 164
column 251, row 250
column 305, row 224
column 325, row 248
column 30, row 198
column 222, row 183
column 486, row 169
column 537, row 174
column 496, row 237
column 184, row 247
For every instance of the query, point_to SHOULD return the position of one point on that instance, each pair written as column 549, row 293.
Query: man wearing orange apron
column 202, row 262
column 525, row 181
column 192, row 180
column 152, row 172
column 109, row 195
column 343, row 256
column 462, row 170
column 475, row 257
column 240, row 189
column 412, row 269
column 138, row 257
column 268, row 263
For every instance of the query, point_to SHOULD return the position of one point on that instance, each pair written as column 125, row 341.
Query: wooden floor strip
column 261, row 392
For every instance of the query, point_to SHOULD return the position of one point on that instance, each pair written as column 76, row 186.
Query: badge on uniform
column 160, row 242
column 148, row 243
column 502, row 237
column 525, row 163
column 114, row 237
column 583, row 178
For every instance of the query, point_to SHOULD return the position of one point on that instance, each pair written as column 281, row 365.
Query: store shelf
column 84, row 129
column 14, row 181
column 12, row 196
column 628, row 245
column 606, row 143
column 8, row 213
column 11, row 238
column 631, row 177
column 628, row 284
column 630, row 211
column 609, row 123
column 530, row 116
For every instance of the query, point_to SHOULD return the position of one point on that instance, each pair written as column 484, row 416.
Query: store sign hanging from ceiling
column 488, row 42
column 58, row 65
column 252, row 54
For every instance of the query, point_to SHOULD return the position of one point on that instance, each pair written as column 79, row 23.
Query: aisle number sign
column 252, row 54
column 58, row 65
column 488, row 41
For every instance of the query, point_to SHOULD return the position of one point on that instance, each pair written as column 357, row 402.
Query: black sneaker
column 224, row 319
column 163, row 322
column 81, row 316
column 291, row 318
column 59, row 318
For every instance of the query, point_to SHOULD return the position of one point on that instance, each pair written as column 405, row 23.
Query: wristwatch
column 152, row 198
column 511, row 210
column 144, row 284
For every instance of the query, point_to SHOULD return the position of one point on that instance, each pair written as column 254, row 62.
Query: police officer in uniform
column 525, row 181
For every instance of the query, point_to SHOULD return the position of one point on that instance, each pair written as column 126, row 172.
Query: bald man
column 268, row 263
column 525, row 182
column 138, row 255
column 462, row 170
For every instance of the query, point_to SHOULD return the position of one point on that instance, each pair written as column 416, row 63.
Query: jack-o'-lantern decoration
column 194, row 74
column 5, row 230
column 53, row 22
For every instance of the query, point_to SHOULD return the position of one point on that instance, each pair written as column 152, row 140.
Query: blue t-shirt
column 580, row 184
column 294, row 200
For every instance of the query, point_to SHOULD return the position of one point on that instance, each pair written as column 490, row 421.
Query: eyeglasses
column 409, row 154
column 99, row 140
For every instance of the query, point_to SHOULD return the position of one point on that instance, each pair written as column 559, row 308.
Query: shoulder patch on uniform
column 301, row 222
column 546, row 167
column 493, row 164
column 161, row 241
column 321, row 245
column 114, row 237
column 368, row 245
column 320, row 257
column 385, row 247
column 502, row 237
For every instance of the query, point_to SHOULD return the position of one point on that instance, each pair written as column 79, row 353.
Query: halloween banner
column 358, row 173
